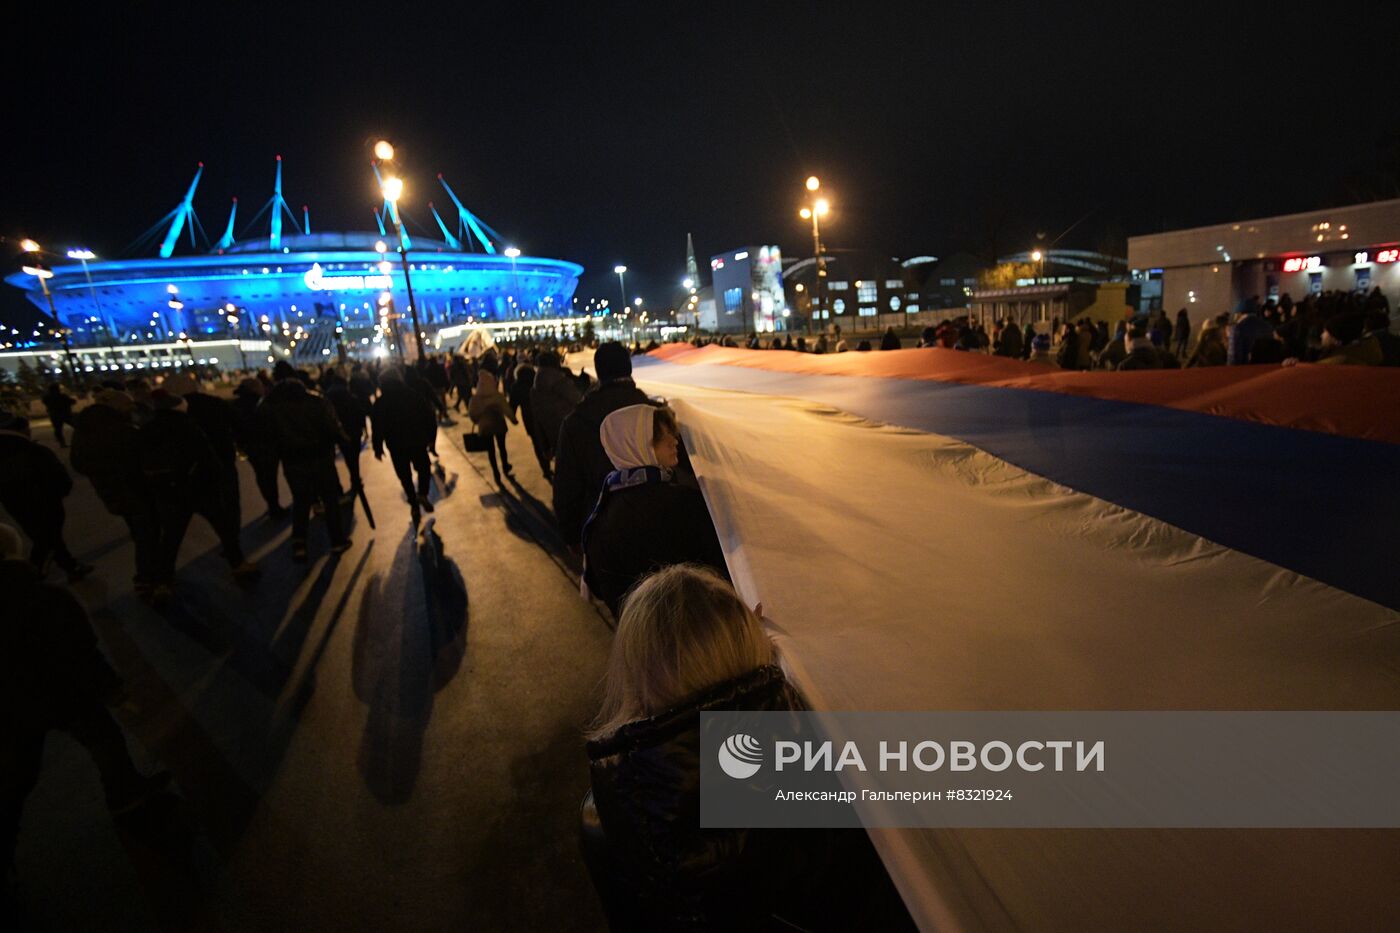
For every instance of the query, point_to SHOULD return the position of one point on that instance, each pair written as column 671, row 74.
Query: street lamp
column 818, row 209
column 393, row 190
column 384, row 151
column 621, row 283
column 43, row 275
column 514, row 254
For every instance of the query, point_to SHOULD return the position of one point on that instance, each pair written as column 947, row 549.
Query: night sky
column 605, row 134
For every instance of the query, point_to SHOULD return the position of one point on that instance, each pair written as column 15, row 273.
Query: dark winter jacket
column 176, row 457
column 553, row 398
column 33, row 481
column 644, row 528
column 250, row 431
column 350, row 410
column 677, row 876
column 50, row 664
column 105, row 450
column 216, row 419
column 59, row 405
column 581, row 465
column 403, row 419
column 302, row 424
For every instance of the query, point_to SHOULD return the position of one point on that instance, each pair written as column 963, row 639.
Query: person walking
column 644, row 520
column 59, row 405
column 306, row 431
column 891, row 340
column 460, row 374
column 581, row 463
column 553, row 398
column 106, row 450
column 33, row 484
column 184, row 475
column 489, row 411
column 353, row 415
column 404, row 422
column 519, row 398
column 53, row 678
column 1181, row 334
column 257, row 445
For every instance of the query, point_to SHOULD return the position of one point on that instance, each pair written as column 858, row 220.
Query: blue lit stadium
column 304, row 292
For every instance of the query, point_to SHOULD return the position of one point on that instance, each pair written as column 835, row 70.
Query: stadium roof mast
column 177, row 217
column 474, row 223
column 452, row 241
column 278, row 204
column 226, row 240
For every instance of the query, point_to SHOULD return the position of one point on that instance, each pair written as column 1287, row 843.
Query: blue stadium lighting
column 276, row 281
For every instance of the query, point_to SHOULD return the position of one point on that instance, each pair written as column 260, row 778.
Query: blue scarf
column 627, row 478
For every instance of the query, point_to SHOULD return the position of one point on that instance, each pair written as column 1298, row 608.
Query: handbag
column 475, row 443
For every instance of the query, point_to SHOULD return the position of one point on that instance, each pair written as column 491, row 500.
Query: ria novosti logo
column 740, row 756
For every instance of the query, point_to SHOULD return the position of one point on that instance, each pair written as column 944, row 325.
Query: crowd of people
column 1337, row 328
column 626, row 503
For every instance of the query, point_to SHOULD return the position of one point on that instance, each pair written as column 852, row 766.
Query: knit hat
column 612, row 361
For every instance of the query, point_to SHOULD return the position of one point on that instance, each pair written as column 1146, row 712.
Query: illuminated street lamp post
column 386, row 302
column 43, row 275
column 83, row 255
column 818, row 209
column 622, row 284
column 393, row 190
column 514, row 254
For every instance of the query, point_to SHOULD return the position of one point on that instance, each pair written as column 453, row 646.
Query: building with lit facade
column 316, row 290
column 1212, row 269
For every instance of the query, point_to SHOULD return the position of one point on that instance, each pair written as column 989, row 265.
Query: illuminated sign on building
column 316, row 280
column 1388, row 255
column 1302, row 264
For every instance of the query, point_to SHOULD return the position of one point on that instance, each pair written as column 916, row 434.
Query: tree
column 1005, row 274
column 588, row 336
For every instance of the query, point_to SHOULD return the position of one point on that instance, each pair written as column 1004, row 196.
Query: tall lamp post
column 393, row 190
column 386, row 302
column 43, row 275
column 83, row 255
column 514, row 254
column 621, row 285
column 819, row 208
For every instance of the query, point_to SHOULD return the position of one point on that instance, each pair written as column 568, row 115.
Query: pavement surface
column 386, row 740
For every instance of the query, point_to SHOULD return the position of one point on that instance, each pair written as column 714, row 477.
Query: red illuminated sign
column 1388, row 255
column 1302, row 264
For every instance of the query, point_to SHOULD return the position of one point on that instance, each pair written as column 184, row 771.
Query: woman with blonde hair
column 489, row 410
column 687, row 644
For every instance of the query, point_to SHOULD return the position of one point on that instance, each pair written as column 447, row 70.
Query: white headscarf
column 626, row 435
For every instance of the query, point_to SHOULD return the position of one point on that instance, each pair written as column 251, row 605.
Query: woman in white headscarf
column 489, row 410
column 644, row 520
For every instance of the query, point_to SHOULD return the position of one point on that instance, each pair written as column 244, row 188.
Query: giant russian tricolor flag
column 936, row 530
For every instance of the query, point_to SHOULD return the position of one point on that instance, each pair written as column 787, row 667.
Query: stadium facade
column 303, row 292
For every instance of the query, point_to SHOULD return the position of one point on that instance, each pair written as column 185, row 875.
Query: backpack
column 167, row 459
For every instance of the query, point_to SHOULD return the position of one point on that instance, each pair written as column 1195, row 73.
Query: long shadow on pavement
column 409, row 643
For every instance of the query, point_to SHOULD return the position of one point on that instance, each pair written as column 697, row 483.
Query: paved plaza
column 386, row 740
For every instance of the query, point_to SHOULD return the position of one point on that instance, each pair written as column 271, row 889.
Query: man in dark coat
column 59, row 405
column 257, row 445
column 580, row 464
column 215, row 418
column 553, row 398
column 53, row 677
column 33, row 483
column 305, row 430
column 185, row 477
column 891, row 340
column 353, row 415
column 106, row 450
column 404, row 422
